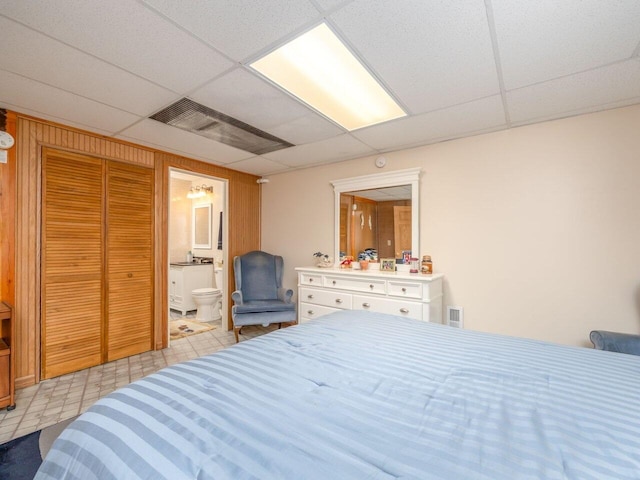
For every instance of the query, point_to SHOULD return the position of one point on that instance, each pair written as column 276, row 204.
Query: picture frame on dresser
column 387, row 264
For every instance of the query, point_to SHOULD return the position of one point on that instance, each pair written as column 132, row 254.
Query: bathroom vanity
column 184, row 278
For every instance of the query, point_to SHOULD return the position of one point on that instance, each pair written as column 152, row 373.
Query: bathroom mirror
column 201, row 227
column 356, row 213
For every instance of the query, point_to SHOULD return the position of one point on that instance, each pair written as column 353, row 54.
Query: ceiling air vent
column 195, row 118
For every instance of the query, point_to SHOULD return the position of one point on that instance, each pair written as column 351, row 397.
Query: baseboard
column 26, row 381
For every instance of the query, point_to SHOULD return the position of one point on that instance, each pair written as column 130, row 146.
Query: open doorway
column 197, row 251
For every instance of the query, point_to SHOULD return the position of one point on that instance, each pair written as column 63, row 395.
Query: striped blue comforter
column 358, row 395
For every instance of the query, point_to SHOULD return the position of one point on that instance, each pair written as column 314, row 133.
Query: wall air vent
column 454, row 317
column 195, row 118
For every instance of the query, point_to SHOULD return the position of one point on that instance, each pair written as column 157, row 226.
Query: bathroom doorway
column 197, row 248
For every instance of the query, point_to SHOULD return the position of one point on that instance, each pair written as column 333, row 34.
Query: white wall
column 179, row 220
column 537, row 228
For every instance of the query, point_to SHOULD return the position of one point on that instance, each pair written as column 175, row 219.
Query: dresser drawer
column 371, row 285
column 309, row 311
column 327, row 298
column 310, row 279
column 399, row 288
column 385, row 305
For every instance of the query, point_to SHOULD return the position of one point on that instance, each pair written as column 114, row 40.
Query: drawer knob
column 309, row 296
column 130, row 275
column 338, row 300
column 404, row 310
column 366, row 305
column 334, row 282
column 371, row 286
column 404, row 290
column 310, row 312
column 311, row 280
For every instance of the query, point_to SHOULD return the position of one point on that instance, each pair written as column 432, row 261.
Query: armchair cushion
column 260, row 319
column 256, row 306
column 616, row 342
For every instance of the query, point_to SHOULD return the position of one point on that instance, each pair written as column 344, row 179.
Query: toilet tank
column 217, row 278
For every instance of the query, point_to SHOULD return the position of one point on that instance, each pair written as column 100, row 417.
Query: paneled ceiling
column 458, row 68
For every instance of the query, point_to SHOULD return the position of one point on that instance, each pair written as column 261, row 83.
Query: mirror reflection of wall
column 377, row 218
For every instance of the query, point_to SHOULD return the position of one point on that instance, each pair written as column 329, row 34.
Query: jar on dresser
column 322, row 291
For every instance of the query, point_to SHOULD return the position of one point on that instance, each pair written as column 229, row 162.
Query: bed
column 358, row 395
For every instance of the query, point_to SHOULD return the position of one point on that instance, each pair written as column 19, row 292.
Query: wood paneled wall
column 243, row 212
column 31, row 135
column 8, row 217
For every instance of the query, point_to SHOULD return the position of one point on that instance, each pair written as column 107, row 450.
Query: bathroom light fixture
column 320, row 70
column 199, row 191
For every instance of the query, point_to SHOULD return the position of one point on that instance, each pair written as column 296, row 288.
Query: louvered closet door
column 71, row 265
column 129, row 259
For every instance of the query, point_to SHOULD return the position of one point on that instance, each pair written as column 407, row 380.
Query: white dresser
column 183, row 279
column 326, row 290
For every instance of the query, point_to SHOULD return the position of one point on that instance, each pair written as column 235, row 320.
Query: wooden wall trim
column 31, row 135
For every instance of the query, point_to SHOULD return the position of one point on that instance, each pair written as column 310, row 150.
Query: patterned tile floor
column 60, row 398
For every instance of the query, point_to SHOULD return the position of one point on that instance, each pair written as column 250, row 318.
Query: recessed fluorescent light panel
column 317, row 68
column 195, row 118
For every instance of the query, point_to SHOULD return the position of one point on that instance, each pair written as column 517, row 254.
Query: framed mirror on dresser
column 378, row 211
column 322, row 291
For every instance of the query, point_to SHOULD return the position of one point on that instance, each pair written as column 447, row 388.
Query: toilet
column 208, row 302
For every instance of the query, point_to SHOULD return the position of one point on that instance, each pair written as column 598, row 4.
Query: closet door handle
column 404, row 310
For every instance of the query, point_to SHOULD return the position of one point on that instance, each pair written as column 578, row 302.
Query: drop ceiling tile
column 258, row 165
column 36, row 56
column 430, row 54
column 52, row 118
column 331, row 4
column 244, row 96
column 342, row 147
column 547, row 39
column 27, row 94
column 465, row 119
column 576, row 93
column 167, row 137
column 307, row 129
column 242, row 27
column 126, row 34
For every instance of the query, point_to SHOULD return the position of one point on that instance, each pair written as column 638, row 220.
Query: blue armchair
column 259, row 298
column 616, row 342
